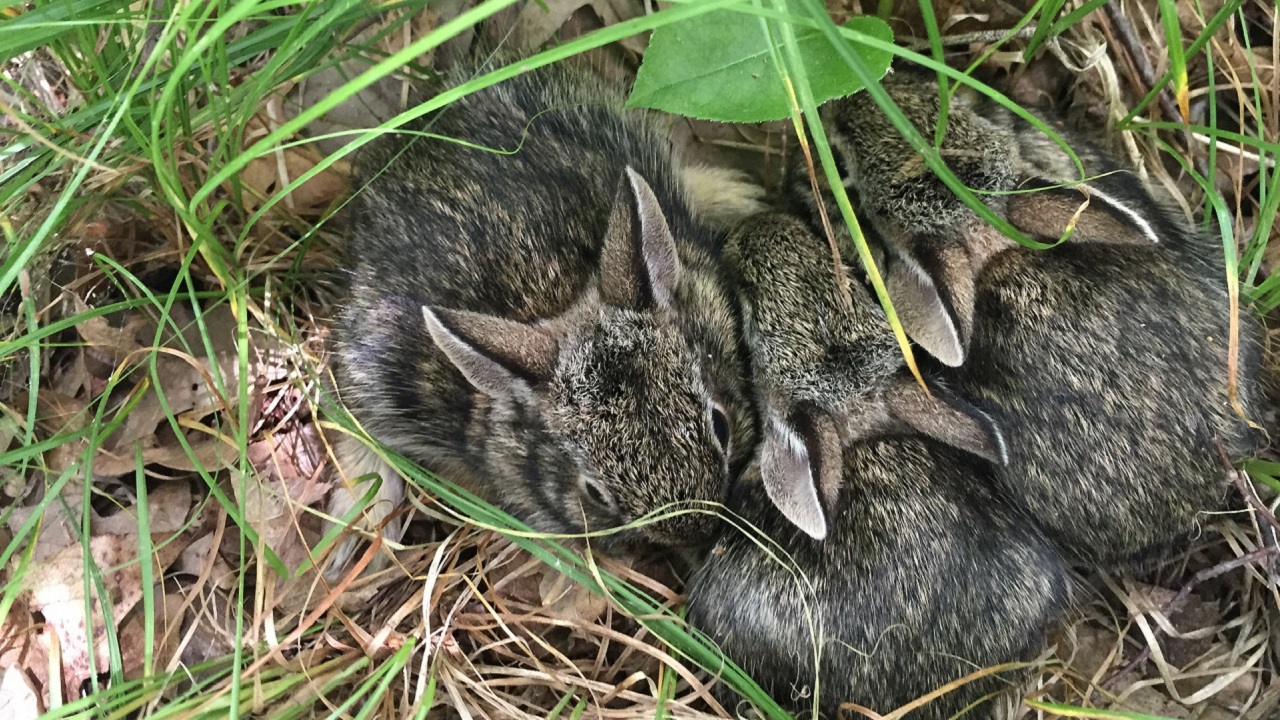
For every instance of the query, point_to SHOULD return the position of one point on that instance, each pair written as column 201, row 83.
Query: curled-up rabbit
column 546, row 324
column 1104, row 359
column 925, row 574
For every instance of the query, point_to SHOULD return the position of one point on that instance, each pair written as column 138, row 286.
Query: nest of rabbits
column 1111, row 652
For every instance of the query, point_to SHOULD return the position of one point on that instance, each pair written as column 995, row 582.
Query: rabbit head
column 935, row 244
column 628, row 424
column 827, row 370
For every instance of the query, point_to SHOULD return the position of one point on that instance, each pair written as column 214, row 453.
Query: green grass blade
column 1177, row 59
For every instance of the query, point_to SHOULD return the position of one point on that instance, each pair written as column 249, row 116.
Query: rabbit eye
column 842, row 165
column 596, row 492
column 720, row 426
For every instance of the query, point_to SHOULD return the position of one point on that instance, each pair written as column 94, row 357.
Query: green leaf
column 718, row 66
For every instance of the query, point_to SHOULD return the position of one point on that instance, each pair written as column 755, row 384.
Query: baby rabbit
column 535, row 312
column 925, row 574
column 1104, row 360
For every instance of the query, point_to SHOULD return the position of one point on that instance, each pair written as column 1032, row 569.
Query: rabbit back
column 925, row 577
column 1107, row 368
column 515, row 183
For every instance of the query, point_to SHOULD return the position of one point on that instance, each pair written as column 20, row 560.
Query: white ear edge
column 797, row 501
column 656, row 243
column 947, row 347
column 483, row 373
column 1134, row 217
column 996, row 434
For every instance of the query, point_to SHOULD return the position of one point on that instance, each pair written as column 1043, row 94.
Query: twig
column 151, row 38
column 1180, row 599
column 1246, row 489
column 1269, row 549
column 1138, row 55
column 1220, row 569
column 982, row 36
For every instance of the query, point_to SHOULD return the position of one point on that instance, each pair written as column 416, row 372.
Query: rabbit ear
column 639, row 266
column 947, row 418
column 932, row 293
column 1095, row 214
column 494, row 354
column 800, row 467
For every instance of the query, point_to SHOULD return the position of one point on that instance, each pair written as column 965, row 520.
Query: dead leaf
column 56, row 589
column 1095, row 650
column 167, row 507
column 1150, row 701
column 115, row 343
column 73, row 380
column 197, row 379
column 268, row 175
column 132, row 635
column 540, row 21
column 291, row 458
column 288, row 477
column 24, row 644
column 209, row 628
column 197, row 556
column 568, row 600
column 18, row 697
column 58, row 529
